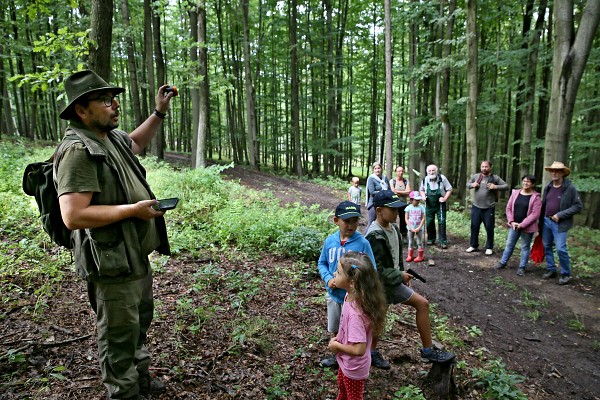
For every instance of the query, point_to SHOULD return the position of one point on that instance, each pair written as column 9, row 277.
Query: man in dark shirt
column 560, row 203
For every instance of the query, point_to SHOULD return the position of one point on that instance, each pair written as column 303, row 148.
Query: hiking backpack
column 39, row 182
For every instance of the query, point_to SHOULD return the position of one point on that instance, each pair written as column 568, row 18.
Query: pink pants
column 349, row 389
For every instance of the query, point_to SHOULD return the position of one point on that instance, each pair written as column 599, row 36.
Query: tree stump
column 441, row 378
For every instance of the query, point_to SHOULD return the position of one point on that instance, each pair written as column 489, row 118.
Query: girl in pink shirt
column 363, row 315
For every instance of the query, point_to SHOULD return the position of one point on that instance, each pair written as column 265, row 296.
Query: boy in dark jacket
column 384, row 237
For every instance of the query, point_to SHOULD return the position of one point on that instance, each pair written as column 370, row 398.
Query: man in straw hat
column 107, row 202
column 560, row 203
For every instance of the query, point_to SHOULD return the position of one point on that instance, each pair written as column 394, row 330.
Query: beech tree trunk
column 101, row 22
column 252, row 143
column 472, row 83
column 571, row 52
column 389, row 161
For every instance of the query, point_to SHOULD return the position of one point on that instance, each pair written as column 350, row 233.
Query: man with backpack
column 435, row 189
column 486, row 187
column 107, row 203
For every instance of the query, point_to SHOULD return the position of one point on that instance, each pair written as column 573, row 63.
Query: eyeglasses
column 107, row 100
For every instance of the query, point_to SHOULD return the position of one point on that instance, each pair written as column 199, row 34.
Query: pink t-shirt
column 354, row 328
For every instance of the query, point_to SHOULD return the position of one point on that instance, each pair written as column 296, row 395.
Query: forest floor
column 223, row 331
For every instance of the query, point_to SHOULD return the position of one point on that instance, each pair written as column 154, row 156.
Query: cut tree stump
column 441, row 378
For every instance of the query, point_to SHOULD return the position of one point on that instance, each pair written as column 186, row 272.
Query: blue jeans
column 511, row 241
column 485, row 215
column 552, row 236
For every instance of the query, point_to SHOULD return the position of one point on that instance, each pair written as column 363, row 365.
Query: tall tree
column 389, row 161
column 473, row 84
column 158, row 141
column 101, row 37
column 203, row 106
column 295, row 106
column 571, row 51
column 444, row 91
column 532, row 61
column 133, row 79
column 252, row 143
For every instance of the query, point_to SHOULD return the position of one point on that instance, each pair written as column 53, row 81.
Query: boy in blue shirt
column 346, row 239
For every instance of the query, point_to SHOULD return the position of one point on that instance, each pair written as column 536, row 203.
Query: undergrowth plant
column 497, row 383
column 409, row 392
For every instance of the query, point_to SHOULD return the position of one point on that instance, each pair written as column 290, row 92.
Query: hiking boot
column 329, row 362
column 564, row 279
column 521, row 271
column 436, row 355
column 134, row 397
column 500, row 266
column 430, row 242
column 472, row 249
column 549, row 274
column 378, row 361
column 489, row 252
column 149, row 385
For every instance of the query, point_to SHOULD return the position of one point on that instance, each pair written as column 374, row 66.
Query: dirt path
column 531, row 323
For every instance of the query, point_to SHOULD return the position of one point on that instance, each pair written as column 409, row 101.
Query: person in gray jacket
column 560, row 203
column 485, row 195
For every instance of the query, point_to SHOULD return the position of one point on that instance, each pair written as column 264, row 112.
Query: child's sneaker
column 436, row 355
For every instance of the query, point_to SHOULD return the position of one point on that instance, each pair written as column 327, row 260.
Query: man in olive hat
column 560, row 203
column 107, row 203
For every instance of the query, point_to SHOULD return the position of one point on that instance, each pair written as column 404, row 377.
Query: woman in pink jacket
column 522, row 211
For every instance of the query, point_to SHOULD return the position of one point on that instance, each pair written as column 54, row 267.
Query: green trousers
column 433, row 208
column 124, row 312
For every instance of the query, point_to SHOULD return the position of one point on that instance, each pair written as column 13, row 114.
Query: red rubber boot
column 410, row 255
column 421, row 256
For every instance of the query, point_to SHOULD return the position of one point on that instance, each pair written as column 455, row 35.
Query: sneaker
column 521, row 271
column 444, row 246
column 436, row 355
column 489, row 252
column 150, row 386
column 500, row 266
column 471, row 249
column 564, row 279
column 330, row 362
column 549, row 274
column 378, row 361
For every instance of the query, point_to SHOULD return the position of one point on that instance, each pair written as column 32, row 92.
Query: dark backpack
column 39, row 182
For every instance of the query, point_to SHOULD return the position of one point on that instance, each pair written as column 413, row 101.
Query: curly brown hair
column 369, row 292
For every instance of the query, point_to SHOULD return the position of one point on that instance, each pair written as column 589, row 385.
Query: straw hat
column 81, row 83
column 558, row 165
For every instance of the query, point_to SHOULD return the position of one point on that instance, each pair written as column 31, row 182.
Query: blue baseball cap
column 387, row 198
column 347, row 209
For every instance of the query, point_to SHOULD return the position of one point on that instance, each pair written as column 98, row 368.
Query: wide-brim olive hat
column 560, row 166
column 82, row 83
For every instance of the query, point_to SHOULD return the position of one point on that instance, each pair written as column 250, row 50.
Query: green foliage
column 497, row 383
column 441, row 328
column 529, row 300
column 500, row 281
column 214, row 213
column 301, row 242
column 332, row 182
column 251, row 331
column 280, row 377
column 473, row 331
column 576, row 324
column 410, row 392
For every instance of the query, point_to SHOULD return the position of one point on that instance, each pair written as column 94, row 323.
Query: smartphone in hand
column 166, row 204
